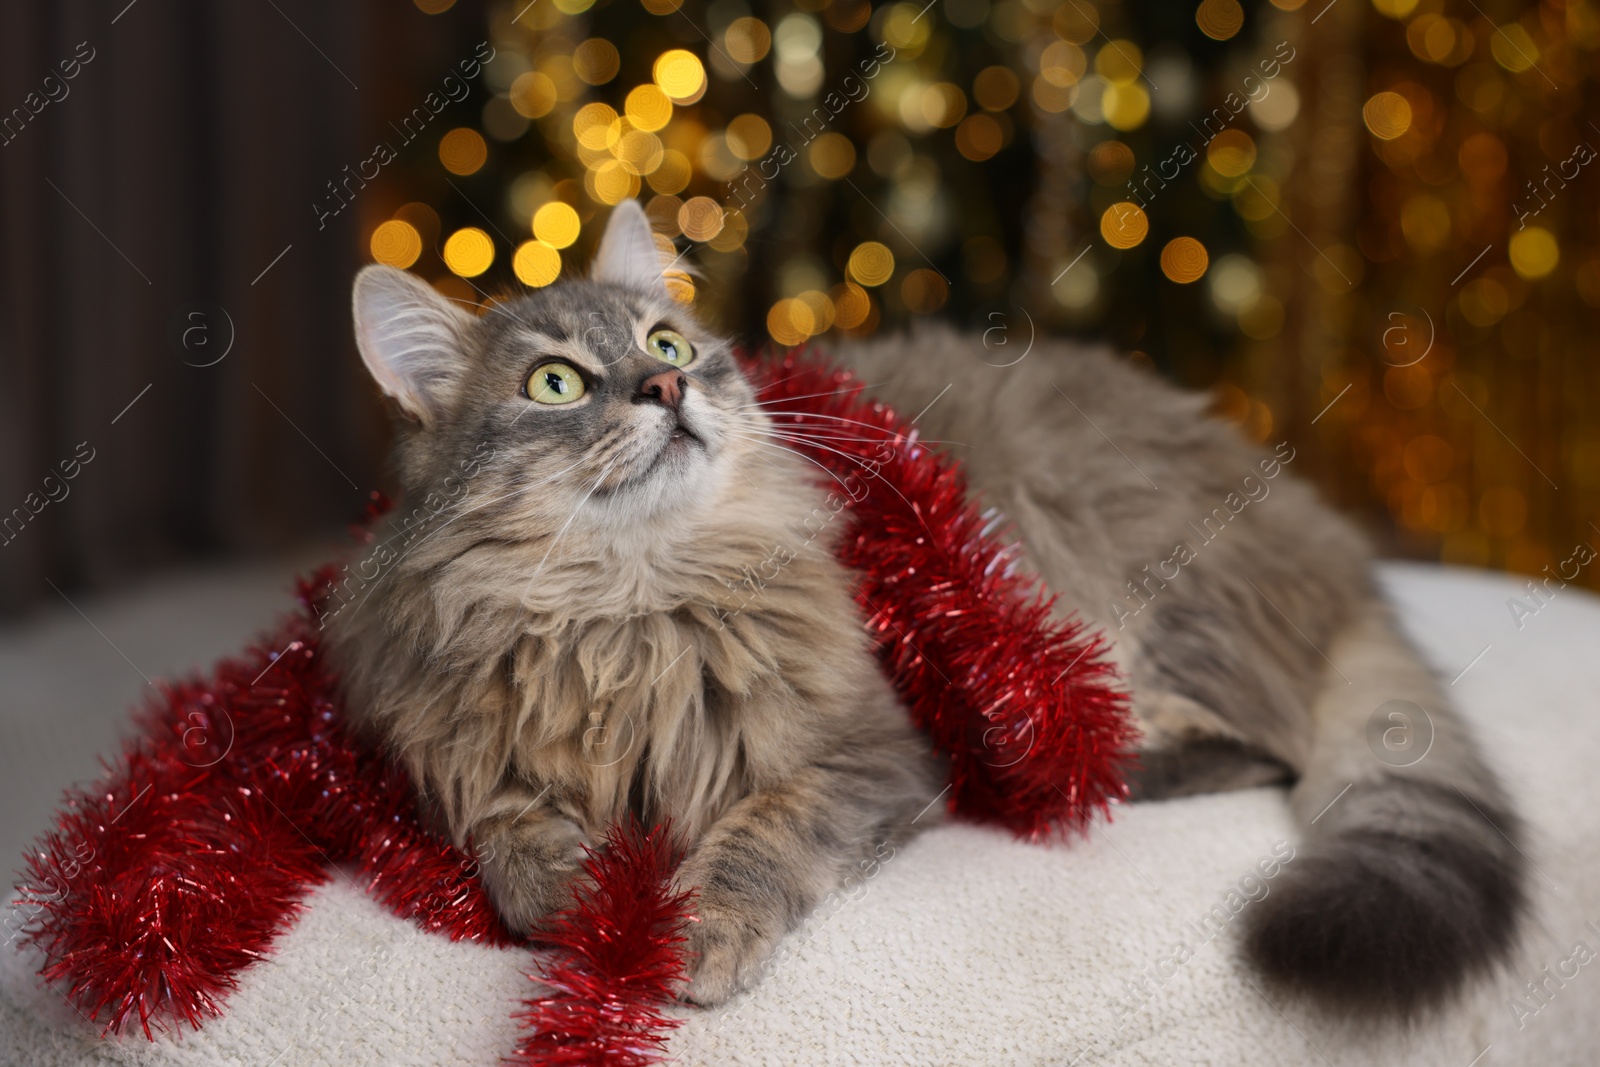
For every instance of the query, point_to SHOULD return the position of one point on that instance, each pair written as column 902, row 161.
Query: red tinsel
column 1027, row 707
column 158, row 885
column 616, row 956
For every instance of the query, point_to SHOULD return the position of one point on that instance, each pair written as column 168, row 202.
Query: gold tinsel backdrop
column 1368, row 226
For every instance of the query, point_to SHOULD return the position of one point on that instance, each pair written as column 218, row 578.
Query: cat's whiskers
column 808, row 396
column 767, row 442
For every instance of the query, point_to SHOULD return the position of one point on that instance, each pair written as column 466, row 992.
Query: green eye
column 554, row 383
column 670, row 347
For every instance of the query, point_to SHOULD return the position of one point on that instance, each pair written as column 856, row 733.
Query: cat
column 571, row 639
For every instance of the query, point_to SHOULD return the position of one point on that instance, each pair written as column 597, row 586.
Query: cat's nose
column 667, row 387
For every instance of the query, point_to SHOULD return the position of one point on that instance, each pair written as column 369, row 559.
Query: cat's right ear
column 410, row 338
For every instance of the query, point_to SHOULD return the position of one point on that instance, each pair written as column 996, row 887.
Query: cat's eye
column 670, row 348
column 554, row 383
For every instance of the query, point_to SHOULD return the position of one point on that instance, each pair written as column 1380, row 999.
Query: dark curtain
column 174, row 324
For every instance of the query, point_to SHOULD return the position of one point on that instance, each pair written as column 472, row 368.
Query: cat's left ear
column 410, row 336
column 627, row 253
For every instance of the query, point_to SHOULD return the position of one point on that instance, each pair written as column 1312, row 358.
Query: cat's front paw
column 529, row 869
column 730, row 941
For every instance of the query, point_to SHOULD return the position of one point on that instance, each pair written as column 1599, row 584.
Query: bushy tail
column 1412, row 881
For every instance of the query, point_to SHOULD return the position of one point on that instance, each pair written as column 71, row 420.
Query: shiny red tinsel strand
column 1027, row 707
column 617, row 959
column 177, row 870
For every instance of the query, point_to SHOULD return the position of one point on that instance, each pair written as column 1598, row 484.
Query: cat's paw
column 730, row 942
column 530, row 868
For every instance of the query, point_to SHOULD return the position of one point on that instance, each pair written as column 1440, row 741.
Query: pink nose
column 666, row 387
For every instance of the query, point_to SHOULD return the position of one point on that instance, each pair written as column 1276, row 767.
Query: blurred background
column 1367, row 227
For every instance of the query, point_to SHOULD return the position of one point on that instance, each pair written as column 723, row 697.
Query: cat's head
column 600, row 400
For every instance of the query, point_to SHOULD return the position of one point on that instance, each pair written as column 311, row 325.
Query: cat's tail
column 1412, row 880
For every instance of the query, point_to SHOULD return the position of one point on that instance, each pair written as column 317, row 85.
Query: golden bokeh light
column 1231, row 153
column 434, row 7
column 749, row 136
column 533, row 94
column 661, row 7
column 1387, row 115
column 673, row 175
column 612, row 182
column 851, row 305
column 979, row 137
column 463, row 151
column 536, row 263
column 469, row 252
column 871, row 263
column 679, row 74
column 1534, row 252
column 1184, row 260
column 1219, row 19
column 832, row 155
column 556, row 224
column 700, row 218
column 789, row 322
column 592, row 125
column 1513, row 48
column 648, row 108
column 924, row 291
column 1124, row 225
column 396, row 243
column 596, row 61
column 1125, row 104
column 943, row 104
column 995, row 88
column 1119, row 61
column 747, row 40
column 1062, row 64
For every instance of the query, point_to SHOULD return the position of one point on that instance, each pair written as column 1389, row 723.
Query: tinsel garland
column 158, row 885
column 1027, row 707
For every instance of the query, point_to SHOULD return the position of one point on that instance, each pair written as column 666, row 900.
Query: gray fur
column 1262, row 658
column 572, row 636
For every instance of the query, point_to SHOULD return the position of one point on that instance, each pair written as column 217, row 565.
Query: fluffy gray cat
column 568, row 636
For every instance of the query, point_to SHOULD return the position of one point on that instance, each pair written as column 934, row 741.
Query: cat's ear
column 627, row 253
column 410, row 338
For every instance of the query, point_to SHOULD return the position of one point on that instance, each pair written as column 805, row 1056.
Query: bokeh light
column 396, row 243
column 871, row 264
column 463, row 151
column 536, row 263
column 469, row 252
column 556, row 224
column 1184, row 260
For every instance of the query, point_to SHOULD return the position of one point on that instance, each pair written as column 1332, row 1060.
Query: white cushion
column 968, row 947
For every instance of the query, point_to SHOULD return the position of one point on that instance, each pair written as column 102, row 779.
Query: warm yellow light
column 533, row 94
column 924, row 291
column 679, row 74
column 648, row 108
column 463, row 151
column 396, row 243
column 749, row 137
column 1513, row 47
column 1124, row 225
column 748, row 40
column 613, row 181
column 596, row 61
column 789, row 322
column 593, row 126
column 536, row 263
column 673, row 174
column 1184, row 260
column 1388, row 115
column 1219, row 19
column 871, row 263
column 556, row 224
column 832, row 155
column 1231, row 153
column 851, row 305
column 700, row 218
column 995, row 88
column 1119, row 61
column 1534, row 252
column 469, row 252
column 979, row 137
column 1126, row 105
